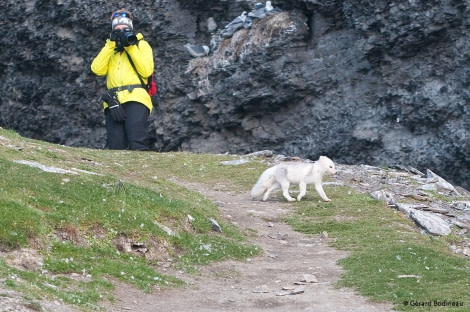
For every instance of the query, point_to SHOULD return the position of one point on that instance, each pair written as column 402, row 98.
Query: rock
column 166, row 229
column 462, row 205
column 437, row 210
column 297, row 291
column 430, row 222
column 278, row 236
column 429, row 187
column 440, row 182
column 439, row 215
column 384, row 196
column 215, row 226
column 418, row 197
column 409, row 276
column 466, row 251
column 460, row 224
column 407, row 208
column 300, row 283
column 265, row 153
column 288, row 288
column 309, row 278
column 235, row 162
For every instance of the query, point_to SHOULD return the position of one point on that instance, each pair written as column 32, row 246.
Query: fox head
column 327, row 165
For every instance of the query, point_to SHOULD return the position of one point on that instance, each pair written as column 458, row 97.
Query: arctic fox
column 302, row 173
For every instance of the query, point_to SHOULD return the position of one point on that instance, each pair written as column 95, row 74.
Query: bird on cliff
column 270, row 10
column 233, row 26
column 197, row 50
column 259, row 11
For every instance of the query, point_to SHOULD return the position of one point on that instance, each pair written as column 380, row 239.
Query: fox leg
column 302, row 190
column 269, row 190
column 285, row 190
column 321, row 192
column 283, row 181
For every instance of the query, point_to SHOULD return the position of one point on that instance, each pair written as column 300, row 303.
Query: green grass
column 390, row 260
column 74, row 221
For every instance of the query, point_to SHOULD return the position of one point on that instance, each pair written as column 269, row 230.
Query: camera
column 124, row 38
column 128, row 38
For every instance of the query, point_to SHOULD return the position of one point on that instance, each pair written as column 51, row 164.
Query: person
column 126, row 60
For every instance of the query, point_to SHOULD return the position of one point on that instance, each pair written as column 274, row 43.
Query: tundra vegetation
column 89, row 217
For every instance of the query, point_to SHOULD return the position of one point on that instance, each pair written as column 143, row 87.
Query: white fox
column 302, row 173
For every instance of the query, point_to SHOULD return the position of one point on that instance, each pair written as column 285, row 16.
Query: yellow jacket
column 119, row 72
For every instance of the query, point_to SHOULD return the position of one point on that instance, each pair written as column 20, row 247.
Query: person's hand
column 114, row 35
column 119, row 37
column 114, row 107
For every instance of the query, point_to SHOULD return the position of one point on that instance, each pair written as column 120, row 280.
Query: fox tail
column 265, row 181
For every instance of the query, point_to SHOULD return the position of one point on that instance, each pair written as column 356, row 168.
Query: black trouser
column 131, row 133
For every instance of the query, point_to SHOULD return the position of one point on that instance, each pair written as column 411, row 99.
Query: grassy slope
column 73, row 220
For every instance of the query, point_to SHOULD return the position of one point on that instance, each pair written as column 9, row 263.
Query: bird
column 248, row 22
column 270, row 10
column 269, row 6
column 197, row 50
column 259, row 11
column 211, row 24
column 234, row 25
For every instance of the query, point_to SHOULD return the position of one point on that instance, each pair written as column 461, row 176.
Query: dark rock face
column 377, row 82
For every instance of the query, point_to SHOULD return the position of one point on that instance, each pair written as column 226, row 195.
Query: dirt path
column 264, row 283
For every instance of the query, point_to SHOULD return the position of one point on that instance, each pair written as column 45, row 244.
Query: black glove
column 114, row 108
column 116, row 35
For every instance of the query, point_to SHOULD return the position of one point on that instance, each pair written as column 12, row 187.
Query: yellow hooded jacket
column 119, row 72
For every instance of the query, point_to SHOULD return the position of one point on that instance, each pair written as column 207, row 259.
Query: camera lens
column 130, row 38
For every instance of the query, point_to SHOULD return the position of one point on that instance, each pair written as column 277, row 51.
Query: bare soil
column 268, row 282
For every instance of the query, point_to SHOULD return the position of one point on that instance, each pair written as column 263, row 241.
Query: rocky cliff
column 377, row 82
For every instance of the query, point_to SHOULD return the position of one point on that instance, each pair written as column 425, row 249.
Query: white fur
column 281, row 176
